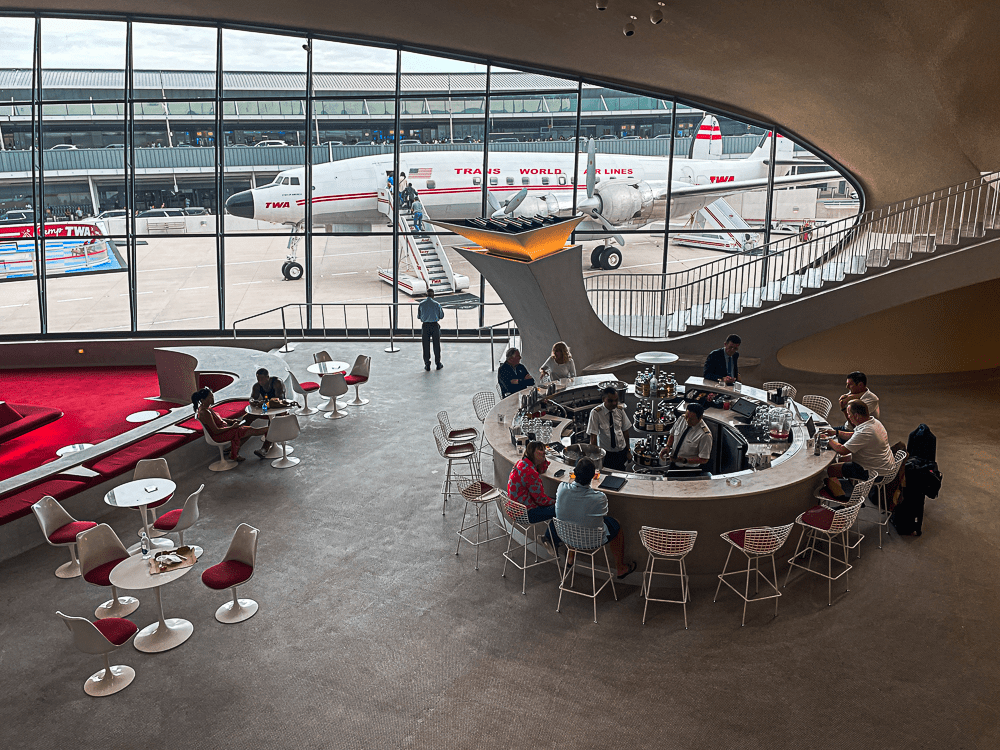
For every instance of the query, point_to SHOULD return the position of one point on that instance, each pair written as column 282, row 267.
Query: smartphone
column 560, row 472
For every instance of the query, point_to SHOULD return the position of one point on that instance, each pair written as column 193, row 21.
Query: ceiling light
column 657, row 15
column 602, row 4
column 629, row 29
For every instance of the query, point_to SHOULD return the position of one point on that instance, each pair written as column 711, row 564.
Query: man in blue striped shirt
column 430, row 312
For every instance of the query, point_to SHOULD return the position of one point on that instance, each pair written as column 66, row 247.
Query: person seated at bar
column 224, row 430
column 525, row 485
column 560, row 363
column 866, row 449
column 512, row 375
column 608, row 429
column 723, row 364
column 577, row 502
column 857, row 390
column 690, row 443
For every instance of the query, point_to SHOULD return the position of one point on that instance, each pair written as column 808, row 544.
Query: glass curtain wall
column 166, row 178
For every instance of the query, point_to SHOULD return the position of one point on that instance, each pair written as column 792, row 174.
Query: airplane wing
column 727, row 188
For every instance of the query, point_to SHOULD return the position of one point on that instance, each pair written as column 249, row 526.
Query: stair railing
column 640, row 305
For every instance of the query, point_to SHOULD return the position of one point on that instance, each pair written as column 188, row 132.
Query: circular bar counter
column 769, row 497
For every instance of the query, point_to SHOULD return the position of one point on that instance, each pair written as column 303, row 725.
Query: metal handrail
column 639, row 304
column 511, row 331
column 392, row 331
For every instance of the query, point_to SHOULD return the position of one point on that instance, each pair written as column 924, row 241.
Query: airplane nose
column 241, row 204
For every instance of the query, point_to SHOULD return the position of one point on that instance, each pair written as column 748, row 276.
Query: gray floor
column 372, row 633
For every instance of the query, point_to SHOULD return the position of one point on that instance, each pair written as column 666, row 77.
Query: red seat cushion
column 117, row 629
column 164, row 501
column 67, row 534
column 32, row 417
column 355, row 379
column 124, row 460
column 463, row 448
column 101, row 575
column 168, row 520
column 8, row 414
column 738, row 537
column 19, row 503
column 458, row 434
column 226, row 574
column 309, row 386
column 819, row 517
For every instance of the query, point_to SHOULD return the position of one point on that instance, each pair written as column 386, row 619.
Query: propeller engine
column 614, row 202
column 522, row 205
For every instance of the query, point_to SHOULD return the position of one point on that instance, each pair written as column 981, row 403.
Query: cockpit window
column 284, row 181
column 295, row 180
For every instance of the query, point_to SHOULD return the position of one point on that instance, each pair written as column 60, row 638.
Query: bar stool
column 454, row 478
column 359, row 374
column 821, row 523
column 858, row 495
column 584, row 541
column 60, row 529
column 755, row 543
column 461, row 435
column 100, row 551
column 881, row 485
column 668, row 545
column 103, row 637
column 819, row 404
column 789, row 390
column 517, row 516
column 478, row 494
column 483, row 403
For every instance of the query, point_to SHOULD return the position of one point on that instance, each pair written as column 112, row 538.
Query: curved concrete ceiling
column 900, row 92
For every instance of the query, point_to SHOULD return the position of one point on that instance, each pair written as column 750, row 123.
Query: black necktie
column 677, row 445
column 611, row 419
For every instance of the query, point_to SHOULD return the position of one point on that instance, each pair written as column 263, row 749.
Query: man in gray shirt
column 577, row 502
column 430, row 312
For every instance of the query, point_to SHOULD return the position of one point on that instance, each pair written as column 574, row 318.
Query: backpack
column 922, row 444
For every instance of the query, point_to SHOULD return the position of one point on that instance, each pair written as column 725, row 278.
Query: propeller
column 506, row 209
column 592, row 203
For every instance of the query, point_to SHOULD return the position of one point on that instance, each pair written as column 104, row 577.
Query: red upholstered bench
column 18, row 504
column 17, row 419
column 125, row 459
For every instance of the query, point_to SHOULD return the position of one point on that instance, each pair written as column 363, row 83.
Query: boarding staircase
column 660, row 306
column 424, row 264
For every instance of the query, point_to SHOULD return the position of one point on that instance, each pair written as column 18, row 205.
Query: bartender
column 690, row 442
column 608, row 429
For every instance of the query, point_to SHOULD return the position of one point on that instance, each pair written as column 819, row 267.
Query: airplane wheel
column 611, row 258
column 294, row 271
column 284, row 268
column 595, row 256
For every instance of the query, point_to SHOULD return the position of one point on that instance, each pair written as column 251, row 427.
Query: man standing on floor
column 430, row 312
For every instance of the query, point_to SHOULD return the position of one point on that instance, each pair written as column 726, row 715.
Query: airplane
column 620, row 192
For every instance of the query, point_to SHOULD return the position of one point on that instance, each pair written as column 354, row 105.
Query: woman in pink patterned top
column 525, row 484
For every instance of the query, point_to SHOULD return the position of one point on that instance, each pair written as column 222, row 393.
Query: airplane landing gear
column 611, row 258
column 595, row 256
column 291, row 269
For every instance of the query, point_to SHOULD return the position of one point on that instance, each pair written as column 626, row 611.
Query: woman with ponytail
column 224, row 430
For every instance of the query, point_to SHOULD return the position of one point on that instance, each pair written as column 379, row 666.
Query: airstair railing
column 638, row 305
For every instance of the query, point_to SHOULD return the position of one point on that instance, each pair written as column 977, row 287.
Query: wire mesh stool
column 755, row 543
column 819, row 404
column 456, row 477
column 858, row 496
column 666, row 545
column 789, row 390
column 517, row 515
column 483, row 403
column 823, row 524
column 583, row 541
column 461, row 435
column 479, row 494
column 882, row 499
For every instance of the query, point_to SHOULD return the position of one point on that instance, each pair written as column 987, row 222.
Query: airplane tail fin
column 707, row 142
column 784, row 149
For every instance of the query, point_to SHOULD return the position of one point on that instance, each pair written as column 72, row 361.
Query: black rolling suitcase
column 922, row 480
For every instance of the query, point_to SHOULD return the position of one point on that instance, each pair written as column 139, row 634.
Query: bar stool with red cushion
column 180, row 520
column 821, row 528
column 755, row 543
column 359, row 374
column 456, row 436
column 152, row 468
column 456, row 478
column 236, row 568
column 60, row 530
column 303, row 389
column 100, row 551
column 103, row 637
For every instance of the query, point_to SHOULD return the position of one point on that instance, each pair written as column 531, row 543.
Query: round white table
column 166, row 633
column 137, row 494
column 75, row 448
column 328, row 368
column 142, row 416
column 272, row 411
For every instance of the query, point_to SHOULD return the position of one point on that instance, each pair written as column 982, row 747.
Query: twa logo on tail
column 707, row 143
column 277, row 205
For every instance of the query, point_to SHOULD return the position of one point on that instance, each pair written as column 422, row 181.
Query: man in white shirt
column 857, row 390
column 690, row 441
column 608, row 429
column 867, row 446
